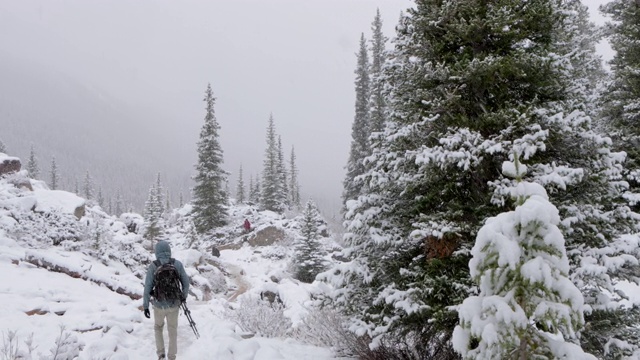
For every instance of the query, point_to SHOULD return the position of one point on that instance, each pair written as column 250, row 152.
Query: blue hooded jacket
column 163, row 254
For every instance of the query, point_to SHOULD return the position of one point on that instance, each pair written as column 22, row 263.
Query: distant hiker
column 247, row 225
column 168, row 283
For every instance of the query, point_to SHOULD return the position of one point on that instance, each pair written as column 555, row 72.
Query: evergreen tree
column 377, row 101
column 209, row 197
column 283, row 182
column 240, row 191
column 468, row 82
column 55, row 176
column 153, row 210
column 100, row 197
column 622, row 97
column 520, row 265
column 360, row 128
column 3, row 147
column 294, row 187
column 76, row 186
column 110, row 206
column 87, row 187
column 254, row 190
column 32, row 166
column 119, row 205
column 167, row 202
column 309, row 260
column 181, row 200
column 270, row 195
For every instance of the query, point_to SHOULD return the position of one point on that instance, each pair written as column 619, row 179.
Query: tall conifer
column 87, row 187
column 240, row 190
column 360, row 127
column 294, row 186
column 209, row 196
column 153, row 211
column 270, row 185
column 377, row 102
column 283, row 182
column 469, row 81
column 32, row 165
column 55, row 176
column 622, row 97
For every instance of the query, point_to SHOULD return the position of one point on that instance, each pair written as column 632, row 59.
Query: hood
column 163, row 250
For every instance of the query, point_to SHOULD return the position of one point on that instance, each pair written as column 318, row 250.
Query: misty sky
column 292, row 58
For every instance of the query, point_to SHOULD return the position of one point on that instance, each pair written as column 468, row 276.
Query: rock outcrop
column 9, row 165
column 267, row 236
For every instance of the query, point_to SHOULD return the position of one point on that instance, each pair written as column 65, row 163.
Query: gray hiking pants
column 159, row 314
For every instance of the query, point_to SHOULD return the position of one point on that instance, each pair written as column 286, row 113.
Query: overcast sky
column 292, row 58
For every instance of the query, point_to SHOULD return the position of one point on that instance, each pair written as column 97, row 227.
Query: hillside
column 122, row 146
column 73, row 281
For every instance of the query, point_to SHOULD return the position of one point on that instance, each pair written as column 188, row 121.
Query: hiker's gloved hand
column 147, row 314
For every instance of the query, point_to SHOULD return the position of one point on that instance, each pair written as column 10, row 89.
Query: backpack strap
column 157, row 263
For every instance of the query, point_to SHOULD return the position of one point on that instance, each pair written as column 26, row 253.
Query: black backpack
column 167, row 282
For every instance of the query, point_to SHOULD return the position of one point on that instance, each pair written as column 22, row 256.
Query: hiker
column 246, row 225
column 165, row 303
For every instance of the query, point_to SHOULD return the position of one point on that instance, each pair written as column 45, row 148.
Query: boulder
column 9, row 165
column 80, row 211
column 59, row 200
column 270, row 296
column 215, row 252
column 267, row 236
column 22, row 183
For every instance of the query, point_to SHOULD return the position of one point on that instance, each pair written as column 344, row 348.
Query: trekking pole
column 192, row 323
column 187, row 312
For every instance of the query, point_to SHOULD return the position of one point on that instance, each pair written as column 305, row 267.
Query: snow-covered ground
column 90, row 300
column 111, row 326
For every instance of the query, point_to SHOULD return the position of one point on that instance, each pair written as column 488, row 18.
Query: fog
column 146, row 64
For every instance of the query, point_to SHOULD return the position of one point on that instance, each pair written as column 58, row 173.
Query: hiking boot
column 161, row 357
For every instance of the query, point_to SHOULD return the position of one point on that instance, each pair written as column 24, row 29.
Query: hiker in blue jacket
column 164, row 307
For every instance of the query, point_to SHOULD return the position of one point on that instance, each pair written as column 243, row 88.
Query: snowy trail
column 111, row 326
column 237, row 276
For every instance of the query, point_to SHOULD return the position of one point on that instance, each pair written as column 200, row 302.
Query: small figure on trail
column 168, row 283
column 247, row 225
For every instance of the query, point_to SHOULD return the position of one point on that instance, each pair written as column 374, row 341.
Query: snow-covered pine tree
column 283, row 178
column 54, row 174
column 255, row 192
column 240, row 191
column 468, row 81
column 119, row 204
column 527, row 307
column 294, row 186
column 622, row 97
column 167, row 202
column 309, row 259
column 32, row 165
column 360, row 127
column 76, row 186
column 3, row 147
column 377, row 102
column 270, row 187
column 87, row 187
column 180, row 200
column 251, row 195
column 100, row 197
column 153, row 210
column 209, row 197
